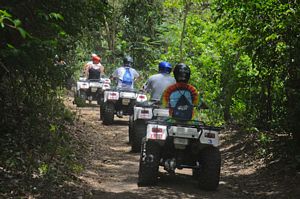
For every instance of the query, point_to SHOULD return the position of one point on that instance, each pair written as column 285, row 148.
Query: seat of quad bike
column 126, row 89
column 180, row 98
column 149, row 104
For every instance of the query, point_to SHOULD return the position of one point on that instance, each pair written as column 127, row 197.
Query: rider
column 157, row 83
column 94, row 68
column 58, row 61
column 125, row 75
column 181, row 97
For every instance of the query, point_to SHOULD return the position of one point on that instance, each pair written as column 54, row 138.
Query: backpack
column 127, row 77
column 183, row 109
column 94, row 73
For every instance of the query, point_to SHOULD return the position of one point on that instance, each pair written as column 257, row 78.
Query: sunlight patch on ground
column 92, row 182
column 104, row 163
column 228, row 147
column 247, row 171
column 120, row 148
column 128, row 162
column 117, row 186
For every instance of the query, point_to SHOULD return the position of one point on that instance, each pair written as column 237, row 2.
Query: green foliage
column 79, row 101
column 6, row 19
column 264, row 138
column 140, row 21
column 43, row 169
column 35, row 144
column 244, row 57
column 268, row 34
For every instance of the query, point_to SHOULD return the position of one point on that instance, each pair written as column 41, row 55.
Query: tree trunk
column 186, row 10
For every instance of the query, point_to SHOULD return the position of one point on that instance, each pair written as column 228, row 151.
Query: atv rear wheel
column 149, row 163
column 209, row 173
column 100, row 99
column 130, row 129
column 139, row 131
column 108, row 113
column 101, row 111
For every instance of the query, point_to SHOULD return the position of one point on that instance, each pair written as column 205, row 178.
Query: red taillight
column 157, row 130
column 144, row 111
column 113, row 94
column 142, row 96
column 210, row 135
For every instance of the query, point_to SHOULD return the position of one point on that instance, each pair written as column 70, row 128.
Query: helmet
column 96, row 59
column 164, row 67
column 182, row 73
column 127, row 60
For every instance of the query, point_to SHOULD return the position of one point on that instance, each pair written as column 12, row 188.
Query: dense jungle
column 244, row 60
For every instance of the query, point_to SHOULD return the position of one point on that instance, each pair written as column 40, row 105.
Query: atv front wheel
column 209, row 173
column 108, row 113
column 149, row 163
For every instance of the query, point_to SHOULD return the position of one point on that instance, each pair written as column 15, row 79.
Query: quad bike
column 80, row 93
column 142, row 113
column 175, row 144
column 91, row 89
column 120, row 102
column 104, row 85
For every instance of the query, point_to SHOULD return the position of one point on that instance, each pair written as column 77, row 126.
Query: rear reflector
column 209, row 135
column 144, row 111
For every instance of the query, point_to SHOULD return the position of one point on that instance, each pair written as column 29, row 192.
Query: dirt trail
column 111, row 169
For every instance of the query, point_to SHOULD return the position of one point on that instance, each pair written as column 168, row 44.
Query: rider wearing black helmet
column 127, row 61
column 181, row 97
column 182, row 73
column 125, row 75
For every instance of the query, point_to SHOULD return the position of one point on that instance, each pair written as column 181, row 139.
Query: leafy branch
column 6, row 19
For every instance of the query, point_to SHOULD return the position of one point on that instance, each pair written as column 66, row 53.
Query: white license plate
column 181, row 141
column 95, row 84
column 128, row 95
column 125, row 101
column 94, row 89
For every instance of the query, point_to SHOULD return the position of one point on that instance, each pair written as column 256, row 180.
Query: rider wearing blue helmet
column 157, row 83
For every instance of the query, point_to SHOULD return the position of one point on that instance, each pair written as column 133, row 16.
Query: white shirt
column 120, row 72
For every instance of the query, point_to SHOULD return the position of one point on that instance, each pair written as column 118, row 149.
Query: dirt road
column 111, row 169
